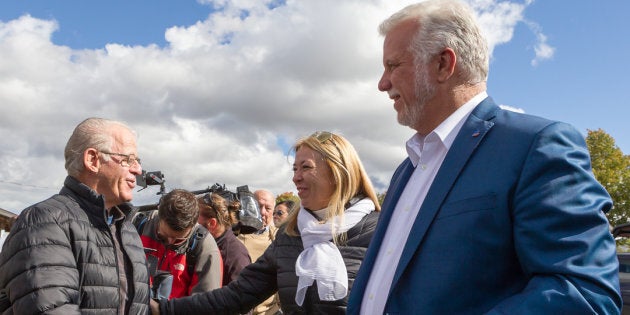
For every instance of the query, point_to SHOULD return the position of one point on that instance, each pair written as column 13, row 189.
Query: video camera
column 150, row 179
column 249, row 216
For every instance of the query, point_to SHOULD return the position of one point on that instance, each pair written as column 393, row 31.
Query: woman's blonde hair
column 350, row 177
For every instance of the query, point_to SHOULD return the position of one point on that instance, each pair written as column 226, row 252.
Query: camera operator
column 176, row 244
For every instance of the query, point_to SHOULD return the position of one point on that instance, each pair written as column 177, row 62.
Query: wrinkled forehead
column 305, row 153
column 123, row 138
column 266, row 200
column 400, row 36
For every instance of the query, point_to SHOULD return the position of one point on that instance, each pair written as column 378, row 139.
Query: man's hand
column 155, row 307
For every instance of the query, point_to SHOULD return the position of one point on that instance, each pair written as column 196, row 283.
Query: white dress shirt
column 426, row 155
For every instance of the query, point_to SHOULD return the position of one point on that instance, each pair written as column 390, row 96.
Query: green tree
column 612, row 169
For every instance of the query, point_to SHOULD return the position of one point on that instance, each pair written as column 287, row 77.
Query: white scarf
column 321, row 260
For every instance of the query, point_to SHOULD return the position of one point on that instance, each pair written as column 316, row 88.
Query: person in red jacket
column 175, row 243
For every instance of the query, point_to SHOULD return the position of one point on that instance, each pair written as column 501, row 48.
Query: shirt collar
column 446, row 131
column 116, row 214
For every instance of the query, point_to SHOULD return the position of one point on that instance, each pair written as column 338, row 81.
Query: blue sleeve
column 561, row 233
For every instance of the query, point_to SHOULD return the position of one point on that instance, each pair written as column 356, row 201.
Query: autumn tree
column 287, row 196
column 612, row 169
column 381, row 197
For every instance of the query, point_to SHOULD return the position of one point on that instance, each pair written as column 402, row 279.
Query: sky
column 218, row 91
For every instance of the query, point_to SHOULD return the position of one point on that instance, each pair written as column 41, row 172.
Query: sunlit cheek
column 314, row 174
column 125, row 192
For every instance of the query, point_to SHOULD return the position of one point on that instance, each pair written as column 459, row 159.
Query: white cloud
column 218, row 101
column 498, row 19
column 543, row 50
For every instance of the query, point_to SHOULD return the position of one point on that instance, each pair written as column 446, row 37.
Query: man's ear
column 446, row 64
column 91, row 162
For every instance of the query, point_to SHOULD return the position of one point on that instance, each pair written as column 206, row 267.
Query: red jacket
column 207, row 272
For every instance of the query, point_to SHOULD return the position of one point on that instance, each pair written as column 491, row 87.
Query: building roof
column 7, row 213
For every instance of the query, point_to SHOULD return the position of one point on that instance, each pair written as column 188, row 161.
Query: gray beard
column 411, row 115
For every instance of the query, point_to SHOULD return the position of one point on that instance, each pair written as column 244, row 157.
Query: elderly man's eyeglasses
column 128, row 159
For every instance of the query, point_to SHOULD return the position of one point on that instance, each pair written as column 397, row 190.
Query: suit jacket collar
column 469, row 137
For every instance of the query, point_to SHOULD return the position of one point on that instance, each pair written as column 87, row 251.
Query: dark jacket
column 60, row 258
column 235, row 256
column 275, row 271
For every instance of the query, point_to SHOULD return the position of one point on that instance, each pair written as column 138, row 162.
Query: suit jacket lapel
column 399, row 180
column 468, row 138
column 391, row 198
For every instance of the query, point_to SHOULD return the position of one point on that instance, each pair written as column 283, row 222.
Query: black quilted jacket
column 275, row 271
column 59, row 258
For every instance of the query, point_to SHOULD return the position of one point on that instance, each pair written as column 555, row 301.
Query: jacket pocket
column 467, row 205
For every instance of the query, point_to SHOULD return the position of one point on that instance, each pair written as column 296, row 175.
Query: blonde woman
column 313, row 260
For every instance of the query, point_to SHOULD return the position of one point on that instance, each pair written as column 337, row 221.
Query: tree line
column 612, row 169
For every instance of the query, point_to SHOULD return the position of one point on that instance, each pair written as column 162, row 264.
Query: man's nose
column 384, row 84
column 135, row 168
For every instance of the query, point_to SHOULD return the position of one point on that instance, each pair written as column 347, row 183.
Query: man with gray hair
column 493, row 212
column 77, row 252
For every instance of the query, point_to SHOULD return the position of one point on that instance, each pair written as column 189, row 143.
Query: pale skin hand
column 155, row 307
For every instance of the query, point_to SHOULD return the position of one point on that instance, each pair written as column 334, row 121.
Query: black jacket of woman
column 274, row 272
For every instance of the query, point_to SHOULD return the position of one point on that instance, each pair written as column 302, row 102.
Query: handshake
column 162, row 284
column 162, row 281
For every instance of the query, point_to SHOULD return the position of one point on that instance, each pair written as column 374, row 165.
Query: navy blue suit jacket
column 513, row 224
